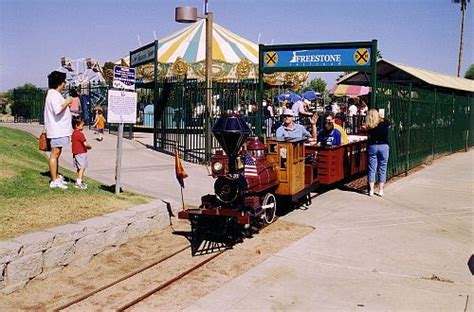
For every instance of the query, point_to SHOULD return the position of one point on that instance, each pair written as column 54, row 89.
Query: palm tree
column 463, row 10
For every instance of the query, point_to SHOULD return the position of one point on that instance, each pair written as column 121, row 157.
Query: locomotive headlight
column 217, row 166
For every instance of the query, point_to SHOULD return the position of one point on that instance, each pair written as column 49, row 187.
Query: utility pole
column 461, row 41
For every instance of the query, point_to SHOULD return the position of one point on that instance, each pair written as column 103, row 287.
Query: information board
column 122, row 107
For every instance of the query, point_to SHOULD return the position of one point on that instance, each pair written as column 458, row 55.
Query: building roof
column 392, row 72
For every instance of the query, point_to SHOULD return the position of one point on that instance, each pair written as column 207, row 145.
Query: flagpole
column 182, row 198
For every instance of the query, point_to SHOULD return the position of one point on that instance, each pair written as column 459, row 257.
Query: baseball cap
column 288, row 112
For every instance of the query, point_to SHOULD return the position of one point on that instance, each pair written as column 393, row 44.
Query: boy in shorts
column 79, row 150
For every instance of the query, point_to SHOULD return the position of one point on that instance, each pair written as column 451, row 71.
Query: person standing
column 377, row 150
column 268, row 116
column 99, row 124
column 57, row 122
column 79, row 148
column 75, row 107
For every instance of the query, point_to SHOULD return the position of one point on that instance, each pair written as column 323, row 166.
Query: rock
column 98, row 224
column 116, row 236
column 9, row 251
column 59, row 255
column 24, row 268
column 67, row 233
column 140, row 228
column 35, row 242
column 89, row 246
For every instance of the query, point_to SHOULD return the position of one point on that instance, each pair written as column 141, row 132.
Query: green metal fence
column 426, row 123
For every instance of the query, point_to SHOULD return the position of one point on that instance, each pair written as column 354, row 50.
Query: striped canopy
column 189, row 44
column 234, row 57
column 349, row 90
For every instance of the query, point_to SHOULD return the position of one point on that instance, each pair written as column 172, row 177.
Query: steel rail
column 95, row 291
column 166, row 284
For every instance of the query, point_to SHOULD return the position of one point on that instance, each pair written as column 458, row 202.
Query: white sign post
column 122, row 108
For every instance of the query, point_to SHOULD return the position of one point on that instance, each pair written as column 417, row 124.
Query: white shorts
column 80, row 161
column 60, row 142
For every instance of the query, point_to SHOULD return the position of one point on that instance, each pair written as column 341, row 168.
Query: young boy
column 79, row 150
column 99, row 124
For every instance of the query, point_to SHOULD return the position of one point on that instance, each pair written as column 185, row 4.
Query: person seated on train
column 290, row 130
column 329, row 136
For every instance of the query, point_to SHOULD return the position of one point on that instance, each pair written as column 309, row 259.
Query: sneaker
column 371, row 193
column 61, row 178
column 381, row 193
column 57, row 184
column 81, row 186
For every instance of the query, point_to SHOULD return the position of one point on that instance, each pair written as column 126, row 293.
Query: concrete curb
column 38, row 255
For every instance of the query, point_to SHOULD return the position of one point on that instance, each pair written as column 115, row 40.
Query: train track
column 123, row 290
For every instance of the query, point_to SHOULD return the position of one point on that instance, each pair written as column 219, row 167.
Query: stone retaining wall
column 40, row 254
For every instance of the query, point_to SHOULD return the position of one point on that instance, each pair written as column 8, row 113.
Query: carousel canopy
column 234, row 57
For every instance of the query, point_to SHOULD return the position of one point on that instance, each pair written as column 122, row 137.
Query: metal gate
column 180, row 113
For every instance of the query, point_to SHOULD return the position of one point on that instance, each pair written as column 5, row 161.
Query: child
column 99, row 124
column 79, row 150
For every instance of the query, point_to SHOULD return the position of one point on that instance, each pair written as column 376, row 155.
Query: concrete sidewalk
column 407, row 251
column 144, row 171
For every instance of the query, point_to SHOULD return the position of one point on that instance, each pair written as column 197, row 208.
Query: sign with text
column 122, row 107
column 321, row 57
column 142, row 55
column 124, row 78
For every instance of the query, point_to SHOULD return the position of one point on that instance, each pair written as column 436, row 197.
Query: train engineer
column 290, row 130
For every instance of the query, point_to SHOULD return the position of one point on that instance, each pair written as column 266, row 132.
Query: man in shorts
column 57, row 122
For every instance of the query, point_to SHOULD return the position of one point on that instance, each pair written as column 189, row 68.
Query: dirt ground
column 73, row 281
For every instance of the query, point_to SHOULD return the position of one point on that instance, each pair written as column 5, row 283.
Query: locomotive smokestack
column 231, row 131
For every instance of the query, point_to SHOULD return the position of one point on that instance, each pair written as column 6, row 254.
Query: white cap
column 307, row 101
column 288, row 112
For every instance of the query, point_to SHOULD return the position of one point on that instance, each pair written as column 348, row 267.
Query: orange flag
column 180, row 172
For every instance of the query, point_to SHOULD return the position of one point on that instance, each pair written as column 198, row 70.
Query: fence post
column 407, row 164
column 452, row 124
column 468, row 117
column 433, row 125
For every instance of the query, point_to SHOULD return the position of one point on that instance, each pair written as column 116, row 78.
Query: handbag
column 44, row 142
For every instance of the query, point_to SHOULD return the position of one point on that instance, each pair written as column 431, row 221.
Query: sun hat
column 288, row 112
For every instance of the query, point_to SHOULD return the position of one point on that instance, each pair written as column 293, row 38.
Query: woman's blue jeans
column 378, row 159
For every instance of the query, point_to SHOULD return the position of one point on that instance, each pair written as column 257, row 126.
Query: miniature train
column 253, row 180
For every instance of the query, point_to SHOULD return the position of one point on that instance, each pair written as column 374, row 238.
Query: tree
column 470, row 72
column 28, row 101
column 317, row 84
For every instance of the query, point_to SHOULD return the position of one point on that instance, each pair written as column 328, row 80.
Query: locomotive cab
column 289, row 159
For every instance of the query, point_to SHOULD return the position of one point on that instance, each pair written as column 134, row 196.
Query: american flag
column 250, row 167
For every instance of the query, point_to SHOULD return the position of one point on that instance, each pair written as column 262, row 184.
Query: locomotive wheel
column 269, row 214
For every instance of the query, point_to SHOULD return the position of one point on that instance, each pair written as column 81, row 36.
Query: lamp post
column 189, row 15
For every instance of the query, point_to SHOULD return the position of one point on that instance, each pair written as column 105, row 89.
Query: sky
column 35, row 34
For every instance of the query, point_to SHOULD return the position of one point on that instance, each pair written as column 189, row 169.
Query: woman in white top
column 57, row 121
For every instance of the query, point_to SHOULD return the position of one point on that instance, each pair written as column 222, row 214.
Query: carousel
column 183, row 54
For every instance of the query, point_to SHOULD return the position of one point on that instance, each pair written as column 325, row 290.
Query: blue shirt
column 329, row 138
column 297, row 132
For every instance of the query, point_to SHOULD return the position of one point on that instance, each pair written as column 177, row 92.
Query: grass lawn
column 27, row 204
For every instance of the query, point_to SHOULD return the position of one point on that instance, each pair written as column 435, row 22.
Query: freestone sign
column 318, row 57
